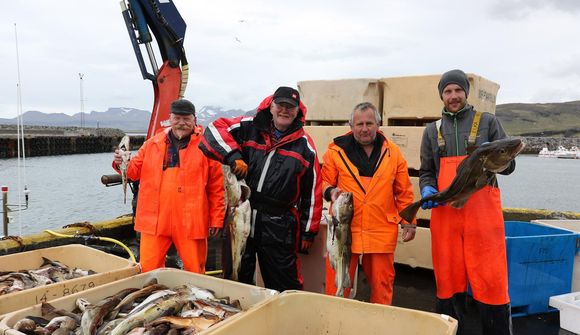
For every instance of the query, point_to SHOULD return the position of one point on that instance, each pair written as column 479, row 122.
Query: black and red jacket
column 282, row 174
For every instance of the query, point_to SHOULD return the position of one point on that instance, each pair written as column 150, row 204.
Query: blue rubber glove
column 425, row 192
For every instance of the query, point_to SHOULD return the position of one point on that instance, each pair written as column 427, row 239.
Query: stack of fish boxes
column 415, row 99
column 108, row 268
column 330, row 102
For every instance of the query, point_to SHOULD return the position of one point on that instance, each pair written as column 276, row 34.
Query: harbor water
column 67, row 189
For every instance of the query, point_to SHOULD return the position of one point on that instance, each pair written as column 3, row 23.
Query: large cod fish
column 124, row 147
column 238, row 218
column 474, row 172
column 339, row 240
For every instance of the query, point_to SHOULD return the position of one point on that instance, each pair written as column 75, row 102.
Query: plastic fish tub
column 540, row 261
column 248, row 295
column 569, row 306
column 298, row 312
column 108, row 267
column 572, row 225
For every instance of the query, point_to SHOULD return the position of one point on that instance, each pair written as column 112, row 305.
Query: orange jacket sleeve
column 215, row 194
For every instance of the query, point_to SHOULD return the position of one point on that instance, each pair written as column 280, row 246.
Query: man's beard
column 184, row 129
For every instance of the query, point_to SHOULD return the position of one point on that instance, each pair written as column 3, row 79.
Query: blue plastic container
column 540, row 262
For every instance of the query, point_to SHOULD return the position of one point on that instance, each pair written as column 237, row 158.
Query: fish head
column 497, row 155
column 343, row 208
column 125, row 143
column 233, row 191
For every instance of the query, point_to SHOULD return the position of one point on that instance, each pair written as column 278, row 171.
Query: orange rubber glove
column 239, row 168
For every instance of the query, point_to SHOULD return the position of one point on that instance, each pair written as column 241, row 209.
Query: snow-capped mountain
column 124, row 118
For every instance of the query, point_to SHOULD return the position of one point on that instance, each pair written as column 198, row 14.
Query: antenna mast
column 82, row 100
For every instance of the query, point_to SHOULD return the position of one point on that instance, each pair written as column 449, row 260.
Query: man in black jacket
column 279, row 163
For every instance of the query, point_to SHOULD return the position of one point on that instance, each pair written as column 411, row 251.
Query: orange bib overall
column 468, row 244
column 170, row 229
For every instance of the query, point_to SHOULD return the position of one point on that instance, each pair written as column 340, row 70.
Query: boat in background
column 576, row 152
column 545, row 153
column 561, row 152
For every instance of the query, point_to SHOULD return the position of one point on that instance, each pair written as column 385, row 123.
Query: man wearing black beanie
column 464, row 238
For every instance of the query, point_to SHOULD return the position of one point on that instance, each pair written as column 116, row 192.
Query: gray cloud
column 311, row 40
column 518, row 9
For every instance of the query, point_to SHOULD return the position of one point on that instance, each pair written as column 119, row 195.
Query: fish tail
column 409, row 212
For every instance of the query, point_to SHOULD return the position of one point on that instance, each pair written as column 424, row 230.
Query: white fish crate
column 108, row 268
column 249, row 296
column 298, row 312
column 569, row 306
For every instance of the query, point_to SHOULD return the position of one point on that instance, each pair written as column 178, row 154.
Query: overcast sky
column 240, row 51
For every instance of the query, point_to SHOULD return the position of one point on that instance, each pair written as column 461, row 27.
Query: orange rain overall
column 192, row 251
column 469, row 243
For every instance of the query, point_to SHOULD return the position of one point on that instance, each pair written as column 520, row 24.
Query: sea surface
column 67, row 189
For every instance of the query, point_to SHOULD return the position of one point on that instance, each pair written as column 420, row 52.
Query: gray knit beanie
column 453, row 77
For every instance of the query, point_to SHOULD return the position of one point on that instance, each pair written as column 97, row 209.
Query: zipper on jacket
column 456, row 136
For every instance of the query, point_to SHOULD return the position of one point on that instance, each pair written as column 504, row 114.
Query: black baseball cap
column 182, row 107
column 288, row 95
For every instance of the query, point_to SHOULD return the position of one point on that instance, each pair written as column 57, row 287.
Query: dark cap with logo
column 182, row 107
column 454, row 77
column 288, row 95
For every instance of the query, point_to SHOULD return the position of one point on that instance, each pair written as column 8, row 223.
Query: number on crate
column 43, row 298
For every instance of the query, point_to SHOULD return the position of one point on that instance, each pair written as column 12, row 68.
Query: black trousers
column 495, row 319
column 275, row 243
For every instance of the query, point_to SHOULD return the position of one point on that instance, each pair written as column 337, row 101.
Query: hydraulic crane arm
column 169, row 82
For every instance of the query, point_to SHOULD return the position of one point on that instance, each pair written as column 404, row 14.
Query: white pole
column 20, row 133
column 82, row 100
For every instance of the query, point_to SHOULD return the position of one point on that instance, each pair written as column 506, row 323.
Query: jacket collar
column 347, row 140
column 458, row 115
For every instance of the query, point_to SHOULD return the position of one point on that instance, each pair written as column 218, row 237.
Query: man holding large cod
column 367, row 164
column 468, row 243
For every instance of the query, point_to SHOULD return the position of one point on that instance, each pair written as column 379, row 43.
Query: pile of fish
column 339, row 240
column 154, row 310
column 49, row 272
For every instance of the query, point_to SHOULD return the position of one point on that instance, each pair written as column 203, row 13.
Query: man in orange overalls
column 181, row 193
column 371, row 167
column 468, row 244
